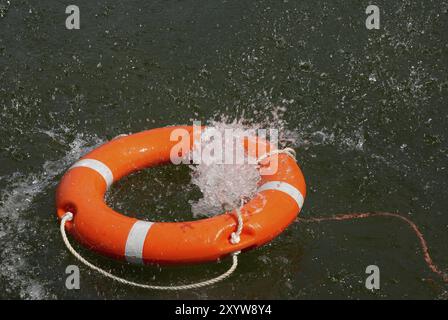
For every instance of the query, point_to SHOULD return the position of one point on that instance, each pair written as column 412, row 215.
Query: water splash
column 15, row 226
column 224, row 185
column 227, row 184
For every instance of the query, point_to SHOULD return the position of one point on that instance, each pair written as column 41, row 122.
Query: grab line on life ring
column 278, row 201
column 141, row 228
column 68, row 216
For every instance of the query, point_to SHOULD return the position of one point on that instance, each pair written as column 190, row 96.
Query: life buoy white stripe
column 136, row 241
column 285, row 187
column 99, row 167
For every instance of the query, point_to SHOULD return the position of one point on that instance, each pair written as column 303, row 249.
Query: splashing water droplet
column 223, row 185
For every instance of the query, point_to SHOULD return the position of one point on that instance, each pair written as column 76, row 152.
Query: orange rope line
column 434, row 268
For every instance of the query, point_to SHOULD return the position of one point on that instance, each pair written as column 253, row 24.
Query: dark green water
column 369, row 108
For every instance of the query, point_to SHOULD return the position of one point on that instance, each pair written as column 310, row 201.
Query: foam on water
column 15, row 226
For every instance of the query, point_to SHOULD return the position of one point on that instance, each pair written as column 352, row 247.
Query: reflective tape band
column 285, row 187
column 99, row 167
column 136, row 241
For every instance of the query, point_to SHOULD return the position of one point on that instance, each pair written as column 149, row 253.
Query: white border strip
column 285, row 187
column 136, row 241
column 99, row 167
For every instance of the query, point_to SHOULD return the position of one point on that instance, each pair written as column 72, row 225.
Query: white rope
column 68, row 216
column 235, row 237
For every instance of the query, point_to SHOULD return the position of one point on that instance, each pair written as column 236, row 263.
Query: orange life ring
column 95, row 225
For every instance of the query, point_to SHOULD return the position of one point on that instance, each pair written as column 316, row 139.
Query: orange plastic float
column 81, row 191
